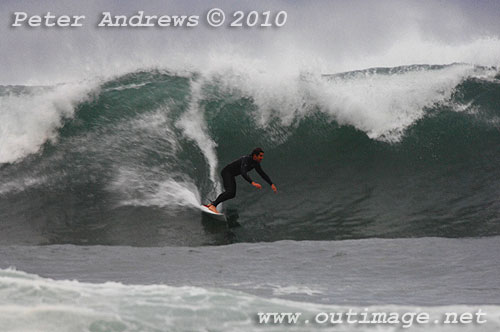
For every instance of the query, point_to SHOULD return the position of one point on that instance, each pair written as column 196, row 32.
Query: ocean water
column 224, row 288
column 101, row 229
column 372, row 153
column 386, row 165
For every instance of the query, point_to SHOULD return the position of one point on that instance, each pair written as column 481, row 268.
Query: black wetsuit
column 237, row 167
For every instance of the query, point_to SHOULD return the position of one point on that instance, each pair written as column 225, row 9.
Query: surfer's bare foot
column 212, row 208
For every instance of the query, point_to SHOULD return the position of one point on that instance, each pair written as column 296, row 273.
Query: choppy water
column 223, row 288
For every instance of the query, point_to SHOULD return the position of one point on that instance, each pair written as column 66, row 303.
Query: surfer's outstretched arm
column 244, row 170
column 265, row 177
column 263, row 174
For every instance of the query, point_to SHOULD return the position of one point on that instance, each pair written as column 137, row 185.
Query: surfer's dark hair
column 257, row 151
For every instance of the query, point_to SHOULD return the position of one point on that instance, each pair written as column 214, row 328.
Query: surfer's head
column 258, row 154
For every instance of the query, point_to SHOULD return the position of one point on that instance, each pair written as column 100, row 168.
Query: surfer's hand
column 273, row 187
column 256, row 185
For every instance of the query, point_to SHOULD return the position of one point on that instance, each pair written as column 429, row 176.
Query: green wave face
column 385, row 152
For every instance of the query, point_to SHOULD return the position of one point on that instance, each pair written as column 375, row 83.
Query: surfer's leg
column 229, row 187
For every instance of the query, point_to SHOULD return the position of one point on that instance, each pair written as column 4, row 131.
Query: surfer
column 240, row 166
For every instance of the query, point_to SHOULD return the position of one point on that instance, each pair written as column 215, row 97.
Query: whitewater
column 213, row 288
column 381, row 130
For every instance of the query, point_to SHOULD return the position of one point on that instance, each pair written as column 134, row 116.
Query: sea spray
column 31, row 116
column 193, row 125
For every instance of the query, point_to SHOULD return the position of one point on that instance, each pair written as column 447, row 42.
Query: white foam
column 381, row 105
column 193, row 125
column 143, row 185
column 167, row 193
column 29, row 302
column 30, row 119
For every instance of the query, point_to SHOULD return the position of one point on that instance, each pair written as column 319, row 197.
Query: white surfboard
column 217, row 216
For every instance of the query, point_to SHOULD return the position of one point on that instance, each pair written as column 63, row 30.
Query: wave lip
column 381, row 102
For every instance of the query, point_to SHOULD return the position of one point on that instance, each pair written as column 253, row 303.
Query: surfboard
column 217, row 216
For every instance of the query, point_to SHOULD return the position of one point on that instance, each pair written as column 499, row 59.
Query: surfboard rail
column 217, row 216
